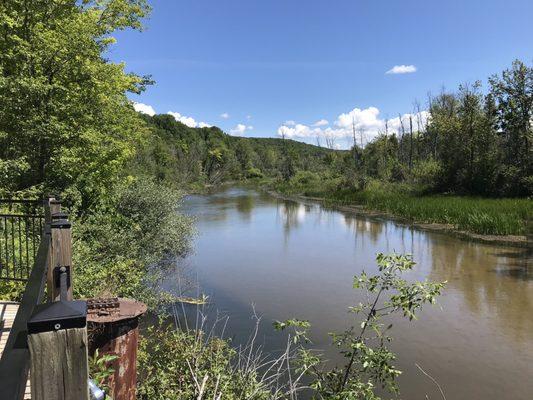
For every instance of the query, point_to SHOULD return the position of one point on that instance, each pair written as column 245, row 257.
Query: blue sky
column 259, row 64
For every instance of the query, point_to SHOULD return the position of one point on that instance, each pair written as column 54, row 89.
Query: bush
column 303, row 178
column 127, row 245
column 427, row 173
column 254, row 173
column 369, row 363
column 175, row 364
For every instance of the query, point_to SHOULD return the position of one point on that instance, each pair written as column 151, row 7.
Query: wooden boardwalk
column 8, row 310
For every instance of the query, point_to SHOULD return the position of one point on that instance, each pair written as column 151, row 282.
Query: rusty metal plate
column 113, row 309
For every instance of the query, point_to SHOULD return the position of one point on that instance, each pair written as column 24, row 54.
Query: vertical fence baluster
column 27, row 246
column 6, row 246
column 2, row 265
column 22, row 267
column 13, row 249
column 33, row 233
column 6, row 253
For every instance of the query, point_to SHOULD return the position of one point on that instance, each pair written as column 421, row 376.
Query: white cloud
column 224, row 115
column 402, row 69
column 240, row 129
column 144, row 108
column 189, row 121
column 289, row 123
column 367, row 123
column 367, row 119
column 248, row 117
column 322, row 122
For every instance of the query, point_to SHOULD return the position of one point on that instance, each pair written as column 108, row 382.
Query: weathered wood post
column 55, row 205
column 57, row 331
column 60, row 256
column 57, row 339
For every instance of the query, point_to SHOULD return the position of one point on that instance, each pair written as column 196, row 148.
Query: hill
column 178, row 153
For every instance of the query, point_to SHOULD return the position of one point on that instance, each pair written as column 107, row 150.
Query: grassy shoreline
column 500, row 221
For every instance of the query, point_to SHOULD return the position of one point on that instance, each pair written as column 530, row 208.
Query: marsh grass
column 485, row 216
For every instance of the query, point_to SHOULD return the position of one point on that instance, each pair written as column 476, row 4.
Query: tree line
column 468, row 142
column 208, row 156
column 471, row 143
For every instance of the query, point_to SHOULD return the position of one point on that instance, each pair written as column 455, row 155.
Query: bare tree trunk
column 400, row 141
column 418, row 129
column 411, row 143
column 354, row 142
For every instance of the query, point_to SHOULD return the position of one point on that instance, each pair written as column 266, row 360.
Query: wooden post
column 50, row 203
column 55, row 205
column 57, row 339
column 60, row 256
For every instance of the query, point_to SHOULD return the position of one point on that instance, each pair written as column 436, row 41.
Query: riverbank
column 494, row 221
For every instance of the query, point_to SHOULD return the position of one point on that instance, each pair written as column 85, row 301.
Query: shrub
column 190, row 364
column 369, row 363
column 254, row 173
column 427, row 173
column 127, row 245
column 303, row 178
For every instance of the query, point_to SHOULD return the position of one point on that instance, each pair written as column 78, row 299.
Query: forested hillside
column 470, row 142
column 176, row 153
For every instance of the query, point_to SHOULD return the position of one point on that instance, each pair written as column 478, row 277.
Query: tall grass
column 474, row 214
column 479, row 215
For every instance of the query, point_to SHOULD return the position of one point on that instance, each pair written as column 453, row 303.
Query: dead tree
column 410, row 142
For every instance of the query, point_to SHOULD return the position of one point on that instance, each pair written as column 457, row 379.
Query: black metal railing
column 14, row 364
column 21, row 225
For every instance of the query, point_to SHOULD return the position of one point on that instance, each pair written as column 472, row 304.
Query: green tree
column 65, row 121
column 512, row 93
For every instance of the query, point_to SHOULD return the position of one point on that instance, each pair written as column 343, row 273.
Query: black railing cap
column 61, row 224
column 58, row 315
column 59, row 215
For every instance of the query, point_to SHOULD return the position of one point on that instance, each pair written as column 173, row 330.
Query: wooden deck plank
column 8, row 311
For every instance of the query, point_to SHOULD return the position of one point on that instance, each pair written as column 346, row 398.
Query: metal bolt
column 57, row 326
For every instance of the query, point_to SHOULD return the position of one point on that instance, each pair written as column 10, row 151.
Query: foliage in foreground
column 193, row 364
column 369, row 363
column 100, row 370
column 190, row 364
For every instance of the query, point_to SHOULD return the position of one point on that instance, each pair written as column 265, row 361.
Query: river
column 289, row 259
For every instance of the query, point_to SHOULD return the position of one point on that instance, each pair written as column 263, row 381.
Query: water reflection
column 364, row 227
column 295, row 259
column 487, row 281
column 291, row 214
column 244, row 205
column 519, row 263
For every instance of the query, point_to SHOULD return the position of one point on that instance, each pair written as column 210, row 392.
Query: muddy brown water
column 289, row 259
